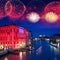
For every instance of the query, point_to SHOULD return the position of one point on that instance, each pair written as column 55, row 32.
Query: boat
column 3, row 51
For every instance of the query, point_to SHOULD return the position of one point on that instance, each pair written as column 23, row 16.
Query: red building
column 13, row 36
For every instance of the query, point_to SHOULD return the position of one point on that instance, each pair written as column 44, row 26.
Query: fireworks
column 34, row 11
column 51, row 17
column 33, row 17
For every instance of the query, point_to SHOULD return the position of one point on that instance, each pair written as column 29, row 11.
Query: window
column 14, row 29
column 11, row 38
column 11, row 30
column 8, row 32
column 21, row 30
column 10, row 42
column 1, row 42
column 14, row 42
column 6, row 42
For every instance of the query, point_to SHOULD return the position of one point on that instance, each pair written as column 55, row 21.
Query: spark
column 51, row 17
column 33, row 17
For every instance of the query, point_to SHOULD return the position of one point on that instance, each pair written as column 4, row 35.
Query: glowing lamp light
column 1, row 47
column 51, row 17
column 20, row 54
column 5, row 58
column 33, row 17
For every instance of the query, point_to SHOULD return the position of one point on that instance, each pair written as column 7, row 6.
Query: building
column 13, row 36
column 44, row 37
column 56, row 38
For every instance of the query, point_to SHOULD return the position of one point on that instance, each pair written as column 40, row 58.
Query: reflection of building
column 13, row 36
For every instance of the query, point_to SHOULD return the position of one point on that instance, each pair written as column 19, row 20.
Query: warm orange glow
column 5, row 58
column 20, row 54
column 33, row 17
column 53, row 6
column 1, row 47
column 21, row 45
column 51, row 17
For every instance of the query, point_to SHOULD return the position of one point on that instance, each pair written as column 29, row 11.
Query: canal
column 44, row 51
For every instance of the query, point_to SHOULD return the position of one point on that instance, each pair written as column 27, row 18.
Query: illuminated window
column 21, row 30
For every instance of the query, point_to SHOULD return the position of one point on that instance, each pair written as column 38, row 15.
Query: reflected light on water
column 20, row 54
column 39, row 50
column 5, row 58
column 24, row 53
column 58, row 45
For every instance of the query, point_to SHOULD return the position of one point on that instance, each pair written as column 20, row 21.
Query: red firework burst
column 14, row 9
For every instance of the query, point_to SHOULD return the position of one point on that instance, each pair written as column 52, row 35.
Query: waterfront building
column 13, row 36
column 56, row 38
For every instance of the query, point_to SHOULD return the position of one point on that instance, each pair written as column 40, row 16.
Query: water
column 44, row 51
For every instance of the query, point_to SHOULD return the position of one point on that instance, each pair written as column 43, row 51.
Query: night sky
column 35, row 28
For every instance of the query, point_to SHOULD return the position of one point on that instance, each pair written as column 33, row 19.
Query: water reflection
column 30, row 56
column 22, row 55
column 44, row 51
column 5, row 58
column 18, row 56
